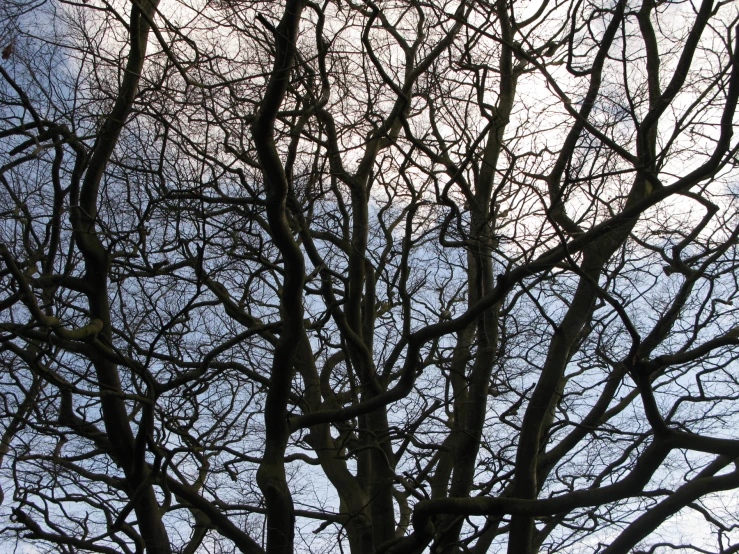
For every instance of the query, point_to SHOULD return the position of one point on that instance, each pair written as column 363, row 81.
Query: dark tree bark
column 368, row 277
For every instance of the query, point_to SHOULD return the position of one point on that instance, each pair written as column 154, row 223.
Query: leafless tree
column 369, row 277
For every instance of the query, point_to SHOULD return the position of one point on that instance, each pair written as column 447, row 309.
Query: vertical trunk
column 545, row 397
column 271, row 476
column 86, row 235
column 376, row 464
column 471, row 390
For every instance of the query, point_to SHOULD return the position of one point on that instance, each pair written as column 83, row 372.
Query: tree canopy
column 369, row 276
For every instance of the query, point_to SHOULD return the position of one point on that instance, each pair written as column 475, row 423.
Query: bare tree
column 389, row 277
